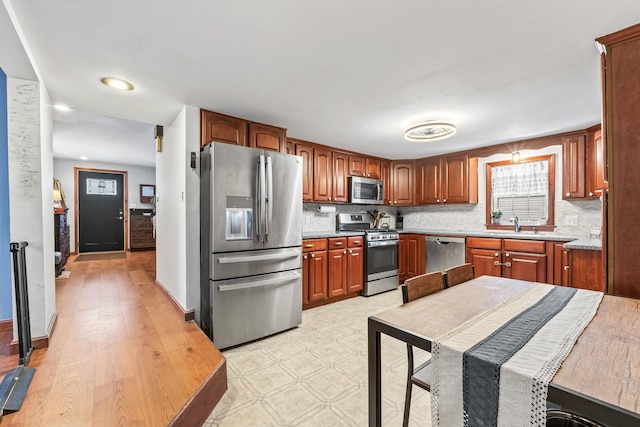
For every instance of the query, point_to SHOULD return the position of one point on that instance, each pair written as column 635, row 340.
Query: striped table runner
column 495, row 369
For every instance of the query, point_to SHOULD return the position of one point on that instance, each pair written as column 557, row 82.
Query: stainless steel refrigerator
column 251, row 243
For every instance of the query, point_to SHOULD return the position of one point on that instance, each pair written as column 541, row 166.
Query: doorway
column 100, row 218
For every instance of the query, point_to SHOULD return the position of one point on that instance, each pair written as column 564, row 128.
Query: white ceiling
column 350, row 74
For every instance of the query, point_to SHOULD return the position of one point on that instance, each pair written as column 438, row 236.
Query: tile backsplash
column 458, row 217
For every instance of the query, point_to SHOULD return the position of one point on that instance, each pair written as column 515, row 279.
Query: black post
column 22, row 301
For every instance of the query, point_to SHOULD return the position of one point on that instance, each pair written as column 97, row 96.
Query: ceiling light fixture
column 430, row 131
column 117, row 83
column 62, row 107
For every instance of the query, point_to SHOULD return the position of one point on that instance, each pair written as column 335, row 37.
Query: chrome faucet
column 516, row 223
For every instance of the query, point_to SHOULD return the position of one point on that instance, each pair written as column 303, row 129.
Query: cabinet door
column 596, row 178
column 402, row 175
column 355, row 268
column 372, row 167
column 385, row 172
column 306, row 273
column 573, row 167
column 322, row 175
column 416, row 257
column 428, row 181
column 306, row 152
column 291, row 147
column 221, row 128
column 586, row 270
column 455, row 179
column 402, row 258
column 318, row 276
column 566, row 268
column 267, row 137
column 484, row 260
column 531, row 267
column 559, row 262
column 356, row 166
column 340, row 173
column 337, row 272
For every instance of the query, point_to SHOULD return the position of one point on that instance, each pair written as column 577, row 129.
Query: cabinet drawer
column 310, row 245
column 355, row 241
column 533, row 246
column 484, row 243
column 337, row 243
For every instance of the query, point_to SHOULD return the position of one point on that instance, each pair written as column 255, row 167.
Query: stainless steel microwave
column 366, row 191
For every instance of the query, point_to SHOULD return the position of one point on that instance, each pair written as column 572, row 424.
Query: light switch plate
column 571, row 220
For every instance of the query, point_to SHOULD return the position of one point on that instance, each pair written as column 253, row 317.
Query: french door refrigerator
column 251, row 243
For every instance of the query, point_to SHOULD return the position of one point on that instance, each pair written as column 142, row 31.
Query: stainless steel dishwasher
column 444, row 252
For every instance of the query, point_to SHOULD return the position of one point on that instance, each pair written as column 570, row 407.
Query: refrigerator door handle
column 269, row 199
column 265, row 282
column 256, row 201
column 231, row 259
column 260, row 199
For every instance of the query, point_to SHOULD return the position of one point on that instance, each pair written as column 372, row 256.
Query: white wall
column 63, row 170
column 30, row 194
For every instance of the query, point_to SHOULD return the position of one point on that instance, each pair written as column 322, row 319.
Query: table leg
column 375, row 375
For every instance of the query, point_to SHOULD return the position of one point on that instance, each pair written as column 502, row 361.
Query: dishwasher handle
column 445, row 240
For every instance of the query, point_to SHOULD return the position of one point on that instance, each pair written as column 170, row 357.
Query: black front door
column 100, row 211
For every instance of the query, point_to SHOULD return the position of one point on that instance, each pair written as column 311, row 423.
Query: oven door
column 382, row 259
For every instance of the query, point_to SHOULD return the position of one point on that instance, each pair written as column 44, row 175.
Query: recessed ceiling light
column 116, row 83
column 84, row 158
column 62, row 107
column 430, row 131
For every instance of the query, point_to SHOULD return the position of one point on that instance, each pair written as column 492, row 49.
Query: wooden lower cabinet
column 411, row 256
column 332, row 269
column 141, row 231
column 583, row 269
column 511, row 258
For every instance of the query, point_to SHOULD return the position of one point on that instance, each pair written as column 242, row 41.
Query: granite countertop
column 574, row 242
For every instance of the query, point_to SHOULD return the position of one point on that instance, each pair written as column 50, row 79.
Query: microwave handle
column 379, row 196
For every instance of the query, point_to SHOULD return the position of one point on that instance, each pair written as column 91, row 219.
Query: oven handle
column 383, row 243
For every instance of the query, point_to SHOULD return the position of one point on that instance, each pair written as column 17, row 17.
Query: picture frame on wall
column 147, row 191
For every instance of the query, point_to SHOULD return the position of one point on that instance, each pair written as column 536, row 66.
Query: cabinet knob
column 444, row 200
column 497, row 254
column 329, row 198
column 368, row 174
column 395, row 201
column 313, row 256
column 568, row 194
column 566, row 267
column 305, row 257
column 506, row 255
column 344, row 252
column 590, row 194
column 350, row 251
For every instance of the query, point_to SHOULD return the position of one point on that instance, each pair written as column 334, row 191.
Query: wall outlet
column 571, row 220
column 596, row 231
column 307, row 219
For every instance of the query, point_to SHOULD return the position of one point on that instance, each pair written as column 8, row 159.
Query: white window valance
column 520, row 179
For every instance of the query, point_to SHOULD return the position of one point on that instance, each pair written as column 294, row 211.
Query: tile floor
column 316, row 374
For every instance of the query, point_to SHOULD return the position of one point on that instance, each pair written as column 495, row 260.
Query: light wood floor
column 120, row 355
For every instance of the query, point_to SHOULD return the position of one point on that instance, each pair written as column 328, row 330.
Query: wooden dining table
column 600, row 379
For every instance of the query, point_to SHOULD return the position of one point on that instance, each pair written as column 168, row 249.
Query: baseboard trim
column 188, row 315
column 38, row 342
column 6, row 325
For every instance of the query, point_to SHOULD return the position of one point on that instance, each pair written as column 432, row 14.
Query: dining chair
column 412, row 289
column 458, row 274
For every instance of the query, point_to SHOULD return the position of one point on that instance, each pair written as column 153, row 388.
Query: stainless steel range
column 380, row 254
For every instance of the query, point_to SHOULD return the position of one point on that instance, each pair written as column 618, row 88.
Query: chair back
column 458, row 274
column 421, row 286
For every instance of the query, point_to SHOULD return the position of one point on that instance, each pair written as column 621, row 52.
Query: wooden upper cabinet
column 267, row 137
column 574, row 178
column 356, row 165
column 449, row 179
column 596, row 167
column 428, row 184
column 385, row 175
column 306, row 152
column 372, row 168
column 322, row 175
column 290, row 147
column 340, row 174
column 221, row 128
column 402, row 177
column 460, row 179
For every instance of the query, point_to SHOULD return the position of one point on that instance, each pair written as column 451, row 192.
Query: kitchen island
column 598, row 379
